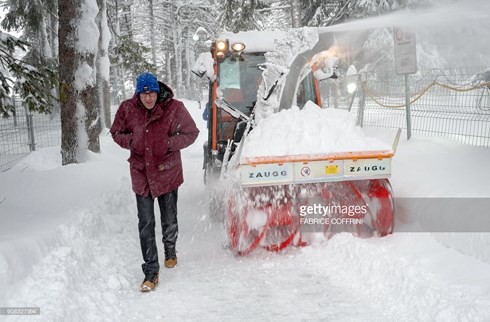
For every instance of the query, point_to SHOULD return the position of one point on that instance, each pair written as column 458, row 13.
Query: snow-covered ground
column 69, row 245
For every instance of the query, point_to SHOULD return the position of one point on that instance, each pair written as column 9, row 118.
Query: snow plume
column 449, row 33
column 278, row 62
column 296, row 42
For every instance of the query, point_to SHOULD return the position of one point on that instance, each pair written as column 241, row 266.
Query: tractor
column 266, row 200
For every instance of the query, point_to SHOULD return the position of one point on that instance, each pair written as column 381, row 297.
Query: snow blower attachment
column 287, row 201
column 283, row 199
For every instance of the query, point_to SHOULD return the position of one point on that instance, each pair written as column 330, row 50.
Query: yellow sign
column 332, row 169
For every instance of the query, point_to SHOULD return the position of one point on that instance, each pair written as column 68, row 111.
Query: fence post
column 30, row 132
column 362, row 102
column 354, row 94
column 407, row 108
column 14, row 114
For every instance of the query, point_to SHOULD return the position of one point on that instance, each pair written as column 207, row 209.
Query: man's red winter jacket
column 155, row 139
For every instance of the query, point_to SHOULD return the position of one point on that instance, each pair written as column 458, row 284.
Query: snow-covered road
column 75, row 254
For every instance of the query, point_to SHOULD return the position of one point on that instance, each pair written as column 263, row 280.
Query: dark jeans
column 146, row 227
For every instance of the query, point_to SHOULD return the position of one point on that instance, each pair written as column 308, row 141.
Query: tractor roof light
column 238, row 47
column 221, row 48
column 220, row 54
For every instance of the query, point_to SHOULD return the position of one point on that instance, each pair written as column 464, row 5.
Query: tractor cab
column 239, row 78
column 235, row 68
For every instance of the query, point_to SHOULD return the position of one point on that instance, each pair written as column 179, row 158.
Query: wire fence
column 452, row 103
column 25, row 132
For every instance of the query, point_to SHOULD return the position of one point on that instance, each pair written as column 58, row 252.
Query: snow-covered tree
column 32, row 83
column 36, row 18
column 128, row 56
column 78, row 38
column 241, row 15
column 166, row 28
column 31, row 71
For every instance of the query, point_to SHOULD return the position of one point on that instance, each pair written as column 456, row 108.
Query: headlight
column 238, row 47
column 351, row 87
column 221, row 48
column 221, row 45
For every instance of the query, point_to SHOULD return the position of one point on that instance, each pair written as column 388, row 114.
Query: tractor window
column 229, row 69
column 306, row 91
column 239, row 80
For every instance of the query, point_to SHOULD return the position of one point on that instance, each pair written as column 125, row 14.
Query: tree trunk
column 194, row 84
column 121, row 82
column 87, row 65
column 117, row 90
column 168, row 63
column 176, row 32
column 48, row 47
column 88, row 97
column 296, row 13
column 103, row 98
column 43, row 36
column 126, row 27
column 53, row 38
column 152, row 35
column 188, row 65
column 67, row 12
column 106, row 103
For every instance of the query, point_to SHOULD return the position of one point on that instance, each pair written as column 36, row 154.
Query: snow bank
column 41, row 202
column 69, row 273
column 409, row 277
column 427, row 170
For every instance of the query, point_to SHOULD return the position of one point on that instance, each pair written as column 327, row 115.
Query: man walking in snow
column 154, row 127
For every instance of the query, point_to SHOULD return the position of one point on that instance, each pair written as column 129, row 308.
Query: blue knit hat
column 147, row 82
